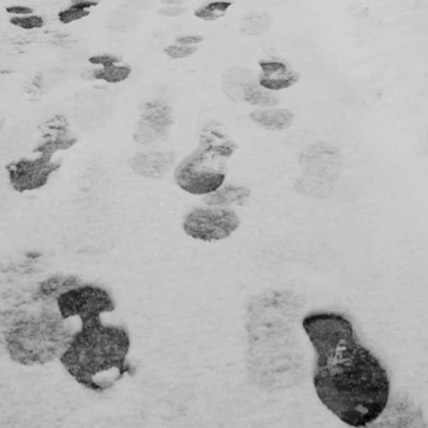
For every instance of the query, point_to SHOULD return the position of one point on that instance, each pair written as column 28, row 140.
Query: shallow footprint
column 153, row 164
column 274, row 358
column 212, row 11
column 256, row 23
column 277, row 75
column 242, row 85
column 273, row 119
column 111, row 72
column 321, row 164
column 30, row 174
column 184, row 46
column 56, row 136
column 228, row 195
column 76, row 11
column 96, row 348
column 155, row 120
column 204, row 170
column 349, row 380
column 210, row 224
column 37, row 336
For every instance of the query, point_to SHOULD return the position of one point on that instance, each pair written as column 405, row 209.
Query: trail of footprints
column 24, row 17
column 349, row 380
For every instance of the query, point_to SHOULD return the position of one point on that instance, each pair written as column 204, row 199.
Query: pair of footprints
column 349, row 380
column 24, row 17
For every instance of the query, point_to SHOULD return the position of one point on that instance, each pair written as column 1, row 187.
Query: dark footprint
column 76, row 11
column 111, row 73
column 27, row 22
column 348, row 380
column 30, row 174
column 276, row 75
column 210, row 224
column 212, row 11
column 19, row 10
column 204, row 171
column 96, row 348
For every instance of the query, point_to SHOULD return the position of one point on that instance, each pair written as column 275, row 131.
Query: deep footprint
column 212, row 11
column 111, row 72
column 27, row 22
column 276, row 75
column 210, row 224
column 321, row 164
column 204, row 170
column 96, row 348
column 75, row 12
column 349, row 380
column 30, row 174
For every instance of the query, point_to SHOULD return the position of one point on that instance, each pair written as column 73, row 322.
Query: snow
column 360, row 250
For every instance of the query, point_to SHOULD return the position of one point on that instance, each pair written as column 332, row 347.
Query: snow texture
column 221, row 171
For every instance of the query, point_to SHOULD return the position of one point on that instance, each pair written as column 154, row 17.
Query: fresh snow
column 360, row 250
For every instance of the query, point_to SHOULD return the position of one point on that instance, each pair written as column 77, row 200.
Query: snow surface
column 360, row 249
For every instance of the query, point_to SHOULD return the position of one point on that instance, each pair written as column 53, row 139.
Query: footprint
column 96, row 349
column 321, row 164
column 154, row 123
column 27, row 22
column 256, row 23
column 19, row 10
column 242, row 85
column 212, row 11
column 276, row 75
column 273, row 119
column 32, row 174
column 172, row 8
column 37, row 336
column 153, row 164
column 210, row 223
column 56, row 136
column 204, row 170
column 77, row 11
column 111, row 72
column 227, row 195
column 273, row 356
column 349, row 380
column 184, row 46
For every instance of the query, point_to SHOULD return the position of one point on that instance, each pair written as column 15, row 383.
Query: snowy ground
column 325, row 193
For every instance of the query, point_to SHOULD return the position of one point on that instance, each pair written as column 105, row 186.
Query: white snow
column 361, row 251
